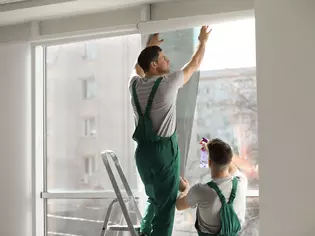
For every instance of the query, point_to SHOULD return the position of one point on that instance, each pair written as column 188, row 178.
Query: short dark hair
column 220, row 152
column 148, row 55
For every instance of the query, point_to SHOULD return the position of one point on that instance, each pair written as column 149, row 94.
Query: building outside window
column 89, row 127
column 89, row 88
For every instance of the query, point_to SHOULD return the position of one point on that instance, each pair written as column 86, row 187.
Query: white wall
column 122, row 17
column 15, row 141
column 286, row 113
column 174, row 9
column 285, row 57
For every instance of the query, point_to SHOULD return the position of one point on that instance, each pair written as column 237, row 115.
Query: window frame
column 40, row 194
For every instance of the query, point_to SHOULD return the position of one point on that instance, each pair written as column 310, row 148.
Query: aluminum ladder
column 133, row 229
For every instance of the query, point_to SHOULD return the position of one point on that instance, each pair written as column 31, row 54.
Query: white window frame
column 40, row 194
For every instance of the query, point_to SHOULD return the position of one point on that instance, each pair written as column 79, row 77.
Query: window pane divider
column 105, row 194
column 85, row 195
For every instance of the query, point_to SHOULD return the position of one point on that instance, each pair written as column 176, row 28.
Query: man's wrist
column 186, row 189
column 203, row 43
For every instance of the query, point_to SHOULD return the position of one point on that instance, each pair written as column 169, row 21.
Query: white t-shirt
column 163, row 112
column 208, row 203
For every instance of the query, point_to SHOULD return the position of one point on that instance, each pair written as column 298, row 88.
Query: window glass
column 225, row 106
column 220, row 101
column 79, row 127
column 89, row 88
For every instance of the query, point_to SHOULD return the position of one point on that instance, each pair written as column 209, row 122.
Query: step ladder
column 133, row 229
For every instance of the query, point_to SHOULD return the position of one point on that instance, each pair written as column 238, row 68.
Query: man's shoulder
column 241, row 177
column 200, row 193
column 133, row 79
column 201, row 188
column 174, row 74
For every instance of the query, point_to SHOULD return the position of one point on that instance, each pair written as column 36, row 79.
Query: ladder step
column 129, row 226
column 122, row 227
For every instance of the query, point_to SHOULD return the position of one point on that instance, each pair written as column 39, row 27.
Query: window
column 89, row 165
column 226, row 106
column 69, row 171
column 90, row 50
column 231, row 117
column 89, row 88
column 89, row 168
column 89, row 127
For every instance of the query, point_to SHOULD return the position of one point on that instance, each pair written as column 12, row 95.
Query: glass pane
column 227, row 108
column 185, row 220
column 227, row 99
column 220, row 100
column 80, row 126
column 251, row 226
column 225, row 94
column 84, row 217
column 231, row 45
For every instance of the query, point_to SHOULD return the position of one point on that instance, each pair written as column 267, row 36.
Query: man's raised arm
column 196, row 59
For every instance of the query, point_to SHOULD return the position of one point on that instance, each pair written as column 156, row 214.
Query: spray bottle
column 204, row 155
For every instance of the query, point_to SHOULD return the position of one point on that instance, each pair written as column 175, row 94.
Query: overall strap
column 151, row 96
column 214, row 186
column 135, row 98
column 233, row 192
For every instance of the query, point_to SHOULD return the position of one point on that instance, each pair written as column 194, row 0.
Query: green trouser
column 158, row 163
column 229, row 222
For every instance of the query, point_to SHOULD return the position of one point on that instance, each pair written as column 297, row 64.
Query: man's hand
column 154, row 40
column 183, row 185
column 204, row 144
column 181, row 201
column 204, row 34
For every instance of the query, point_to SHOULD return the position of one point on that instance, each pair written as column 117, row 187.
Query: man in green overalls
column 153, row 96
column 221, row 203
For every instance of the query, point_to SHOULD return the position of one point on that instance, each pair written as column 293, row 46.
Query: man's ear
column 153, row 64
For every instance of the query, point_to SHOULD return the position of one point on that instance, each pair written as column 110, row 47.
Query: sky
column 231, row 45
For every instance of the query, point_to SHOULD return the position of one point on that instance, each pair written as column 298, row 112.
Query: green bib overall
column 230, row 225
column 158, row 163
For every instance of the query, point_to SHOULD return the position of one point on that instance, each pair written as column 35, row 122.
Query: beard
column 163, row 71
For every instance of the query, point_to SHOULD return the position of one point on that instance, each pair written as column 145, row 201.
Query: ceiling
column 18, row 11
column 10, row 1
